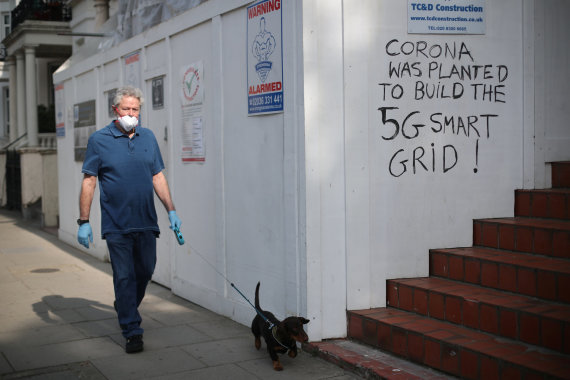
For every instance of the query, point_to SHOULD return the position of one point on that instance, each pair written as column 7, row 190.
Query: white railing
column 47, row 140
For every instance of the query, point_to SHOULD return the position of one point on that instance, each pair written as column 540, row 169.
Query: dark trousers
column 133, row 259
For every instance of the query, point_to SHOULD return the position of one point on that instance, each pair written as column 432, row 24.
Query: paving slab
column 303, row 367
column 147, row 364
column 223, row 329
column 26, row 358
column 5, row 367
column 173, row 336
column 39, row 336
column 71, row 371
column 223, row 372
column 94, row 329
column 225, row 351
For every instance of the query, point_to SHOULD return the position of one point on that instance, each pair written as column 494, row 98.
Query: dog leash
column 271, row 324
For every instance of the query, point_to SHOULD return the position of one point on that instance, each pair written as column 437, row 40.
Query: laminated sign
column 446, row 17
column 192, row 99
column 264, row 58
column 84, row 124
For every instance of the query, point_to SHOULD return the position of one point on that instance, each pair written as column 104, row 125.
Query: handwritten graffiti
column 420, row 73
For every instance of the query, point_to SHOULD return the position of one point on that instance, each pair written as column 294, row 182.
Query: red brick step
column 454, row 349
column 517, row 317
column 547, row 203
column 499, row 309
column 531, row 275
column 560, row 174
column 530, row 235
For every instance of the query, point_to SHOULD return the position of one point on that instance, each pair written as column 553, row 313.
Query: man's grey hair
column 127, row 91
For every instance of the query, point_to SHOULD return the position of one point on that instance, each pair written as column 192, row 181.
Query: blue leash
column 258, row 312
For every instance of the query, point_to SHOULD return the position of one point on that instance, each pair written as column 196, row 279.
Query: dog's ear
column 304, row 320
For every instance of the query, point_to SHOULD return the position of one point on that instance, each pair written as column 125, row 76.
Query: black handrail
column 47, row 10
column 5, row 147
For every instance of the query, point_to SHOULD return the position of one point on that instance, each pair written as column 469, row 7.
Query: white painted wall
column 78, row 88
column 4, row 79
column 4, row 132
column 304, row 201
column 3, row 190
column 324, row 168
column 32, row 177
column 365, row 225
column 550, row 47
column 50, row 200
column 395, row 218
column 240, row 209
column 83, row 21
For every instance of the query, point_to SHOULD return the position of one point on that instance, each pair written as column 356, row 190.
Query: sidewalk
column 57, row 322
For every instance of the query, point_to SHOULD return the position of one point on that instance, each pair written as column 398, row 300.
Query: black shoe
column 134, row 344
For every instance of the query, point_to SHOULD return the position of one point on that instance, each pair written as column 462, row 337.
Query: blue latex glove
column 85, row 234
column 175, row 221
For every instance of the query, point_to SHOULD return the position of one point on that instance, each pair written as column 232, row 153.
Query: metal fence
column 47, row 10
column 13, row 180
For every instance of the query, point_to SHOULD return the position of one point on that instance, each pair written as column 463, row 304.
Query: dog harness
column 273, row 330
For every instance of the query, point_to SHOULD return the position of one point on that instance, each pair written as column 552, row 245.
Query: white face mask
column 128, row 122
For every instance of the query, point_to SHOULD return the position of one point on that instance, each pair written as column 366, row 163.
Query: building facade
column 35, row 42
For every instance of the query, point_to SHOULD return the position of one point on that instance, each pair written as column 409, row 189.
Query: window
column 5, row 24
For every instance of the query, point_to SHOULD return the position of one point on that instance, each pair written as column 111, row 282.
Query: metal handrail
column 5, row 147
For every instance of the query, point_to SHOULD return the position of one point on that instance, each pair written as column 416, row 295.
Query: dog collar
column 273, row 330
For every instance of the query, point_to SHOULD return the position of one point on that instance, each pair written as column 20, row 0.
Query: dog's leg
column 276, row 363
column 256, row 332
column 293, row 352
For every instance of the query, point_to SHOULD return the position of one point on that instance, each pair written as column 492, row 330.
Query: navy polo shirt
column 125, row 168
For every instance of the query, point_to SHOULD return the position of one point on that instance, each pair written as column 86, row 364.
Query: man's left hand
column 175, row 221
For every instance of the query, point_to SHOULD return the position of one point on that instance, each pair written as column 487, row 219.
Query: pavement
column 57, row 322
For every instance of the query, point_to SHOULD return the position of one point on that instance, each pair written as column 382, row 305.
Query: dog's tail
column 257, row 297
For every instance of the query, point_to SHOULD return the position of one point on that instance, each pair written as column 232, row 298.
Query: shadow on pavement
column 57, row 305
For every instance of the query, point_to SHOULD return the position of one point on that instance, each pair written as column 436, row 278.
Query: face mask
column 128, row 122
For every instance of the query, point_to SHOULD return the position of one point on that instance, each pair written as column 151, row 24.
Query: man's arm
column 86, row 197
column 162, row 191
column 84, row 233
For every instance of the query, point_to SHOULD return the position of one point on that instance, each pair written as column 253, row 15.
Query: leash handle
column 178, row 235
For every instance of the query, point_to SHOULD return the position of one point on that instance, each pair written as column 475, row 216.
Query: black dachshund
column 280, row 336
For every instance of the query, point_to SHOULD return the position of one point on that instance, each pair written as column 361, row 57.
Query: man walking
column 126, row 159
